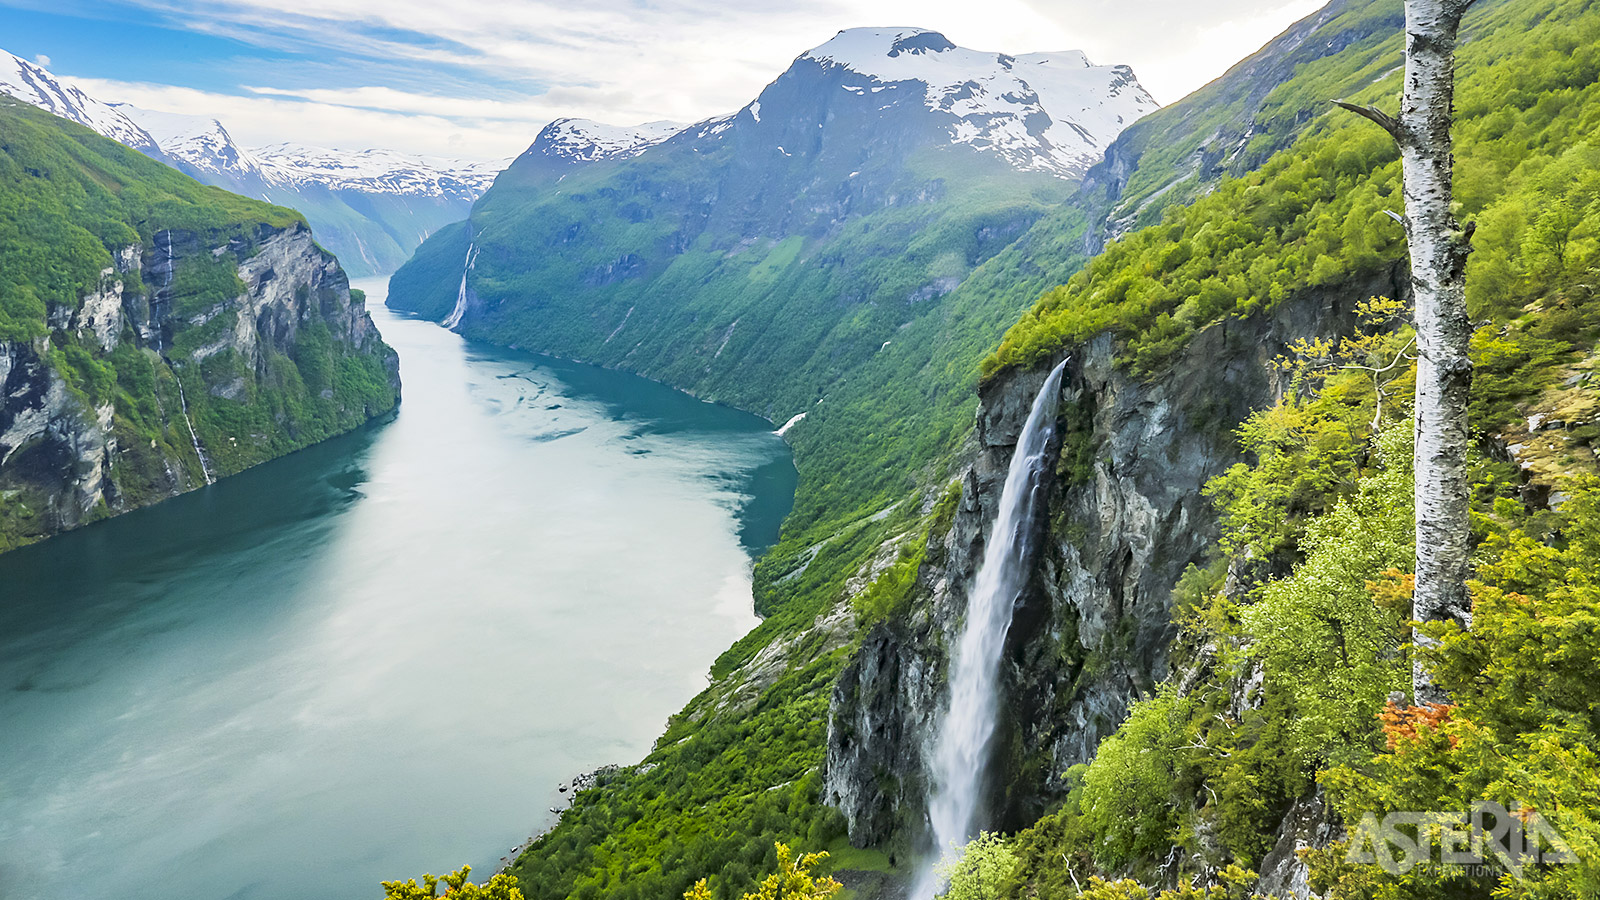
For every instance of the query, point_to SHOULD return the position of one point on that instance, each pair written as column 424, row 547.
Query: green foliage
column 1310, row 217
column 794, row 880
column 1233, row 883
column 1314, row 214
column 1128, row 791
column 1524, row 723
column 980, row 870
column 71, row 203
column 889, row 593
column 457, row 887
column 1321, row 632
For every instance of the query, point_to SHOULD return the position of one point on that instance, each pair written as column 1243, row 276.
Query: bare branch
column 1381, row 119
column 1395, row 216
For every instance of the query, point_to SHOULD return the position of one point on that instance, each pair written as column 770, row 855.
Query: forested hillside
column 155, row 333
column 1280, row 720
column 1253, row 232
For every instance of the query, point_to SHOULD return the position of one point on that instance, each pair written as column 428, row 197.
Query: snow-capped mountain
column 1054, row 112
column 206, row 150
column 584, row 140
column 860, row 161
column 32, row 84
column 378, row 171
column 371, row 207
column 201, row 146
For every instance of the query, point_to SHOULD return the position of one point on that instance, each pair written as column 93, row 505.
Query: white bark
column 1439, row 249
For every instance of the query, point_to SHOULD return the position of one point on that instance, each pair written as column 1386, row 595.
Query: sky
column 477, row 79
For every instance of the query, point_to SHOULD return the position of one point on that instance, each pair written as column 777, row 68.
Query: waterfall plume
column 454, row 319
column 961, row 742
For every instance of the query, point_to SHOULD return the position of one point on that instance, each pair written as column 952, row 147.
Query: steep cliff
column 156, row 335
column 1125, row 517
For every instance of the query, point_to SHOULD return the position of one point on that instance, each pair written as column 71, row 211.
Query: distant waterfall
column 961, row 751
column 454, row 318
column 205, row 468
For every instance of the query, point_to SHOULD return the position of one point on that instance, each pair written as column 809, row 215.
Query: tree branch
column 1381, row 119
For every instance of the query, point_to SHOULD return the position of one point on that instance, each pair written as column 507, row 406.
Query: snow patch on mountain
column 33, row 85
column 207, row 148
column 1051, row 112
column 377, row 171
column 200, row 142
column 584, row 140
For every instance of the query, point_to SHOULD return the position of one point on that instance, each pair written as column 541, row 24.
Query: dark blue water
column 376, row 657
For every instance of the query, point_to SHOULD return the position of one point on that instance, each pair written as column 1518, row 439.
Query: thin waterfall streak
column 460, row 310
column 183, row 400
column 961, row 749
column 205, row 468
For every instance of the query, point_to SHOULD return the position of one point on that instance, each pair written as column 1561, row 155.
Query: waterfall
column 205, row 470
column 183, row 401
column 961, row 749
column 454, row 318
column 166, row 287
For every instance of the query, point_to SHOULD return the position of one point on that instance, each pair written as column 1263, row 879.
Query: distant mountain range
column 370, row 207
column 767, row 257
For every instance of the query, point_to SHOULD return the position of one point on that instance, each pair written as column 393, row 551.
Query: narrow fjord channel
column 380, row 655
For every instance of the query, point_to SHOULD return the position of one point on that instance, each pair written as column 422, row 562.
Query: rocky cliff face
column 147, row 389
column 1091, row 632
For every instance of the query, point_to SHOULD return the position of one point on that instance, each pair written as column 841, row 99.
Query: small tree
column 500, row 887
column 793, row 881
column 1439, row 248
column 981, row 870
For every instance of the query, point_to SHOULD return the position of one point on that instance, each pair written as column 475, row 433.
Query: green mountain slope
column 1255, row 195
column 156, row 333
column 1291, row 642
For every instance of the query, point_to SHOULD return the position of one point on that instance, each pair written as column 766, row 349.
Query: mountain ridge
column 370, row 207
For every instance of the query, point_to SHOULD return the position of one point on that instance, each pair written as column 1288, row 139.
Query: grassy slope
column 68, row 198
column 1187, row 772
column 67, row 195
column 887, row 434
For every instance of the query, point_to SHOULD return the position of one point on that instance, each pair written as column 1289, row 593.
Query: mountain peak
column 201, row 143
column 32, row 84
column 1053, row 112
column 585, row 140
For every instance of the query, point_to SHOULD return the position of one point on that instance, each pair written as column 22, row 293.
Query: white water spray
column 205, row 468
column 454, row 318
column 165, row 286
column 960, row 754
column 183, row 401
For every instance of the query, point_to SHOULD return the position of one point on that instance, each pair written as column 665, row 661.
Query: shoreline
column 567, row 790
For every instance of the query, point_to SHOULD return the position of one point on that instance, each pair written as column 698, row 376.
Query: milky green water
column 379, row 656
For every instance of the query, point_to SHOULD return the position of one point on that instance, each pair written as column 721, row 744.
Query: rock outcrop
column 1091, row 633
column 146, row 390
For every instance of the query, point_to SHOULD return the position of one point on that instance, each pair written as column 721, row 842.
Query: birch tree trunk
column 1439, row 248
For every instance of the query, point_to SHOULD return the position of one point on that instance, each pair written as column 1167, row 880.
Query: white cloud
column 1175, row 46
column 257, row 121
column 482, row 77
column 42, row 60
column 617, row 61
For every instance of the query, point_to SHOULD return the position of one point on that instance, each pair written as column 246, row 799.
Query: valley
column 273, row 667
column 1095, row 570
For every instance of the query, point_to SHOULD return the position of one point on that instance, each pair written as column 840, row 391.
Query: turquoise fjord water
column 376, row 657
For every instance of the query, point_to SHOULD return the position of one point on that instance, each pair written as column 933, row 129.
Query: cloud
column 507, row 67
column 260, row 120
column 42, row 60
column 431, row 77
column 1175, row 46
